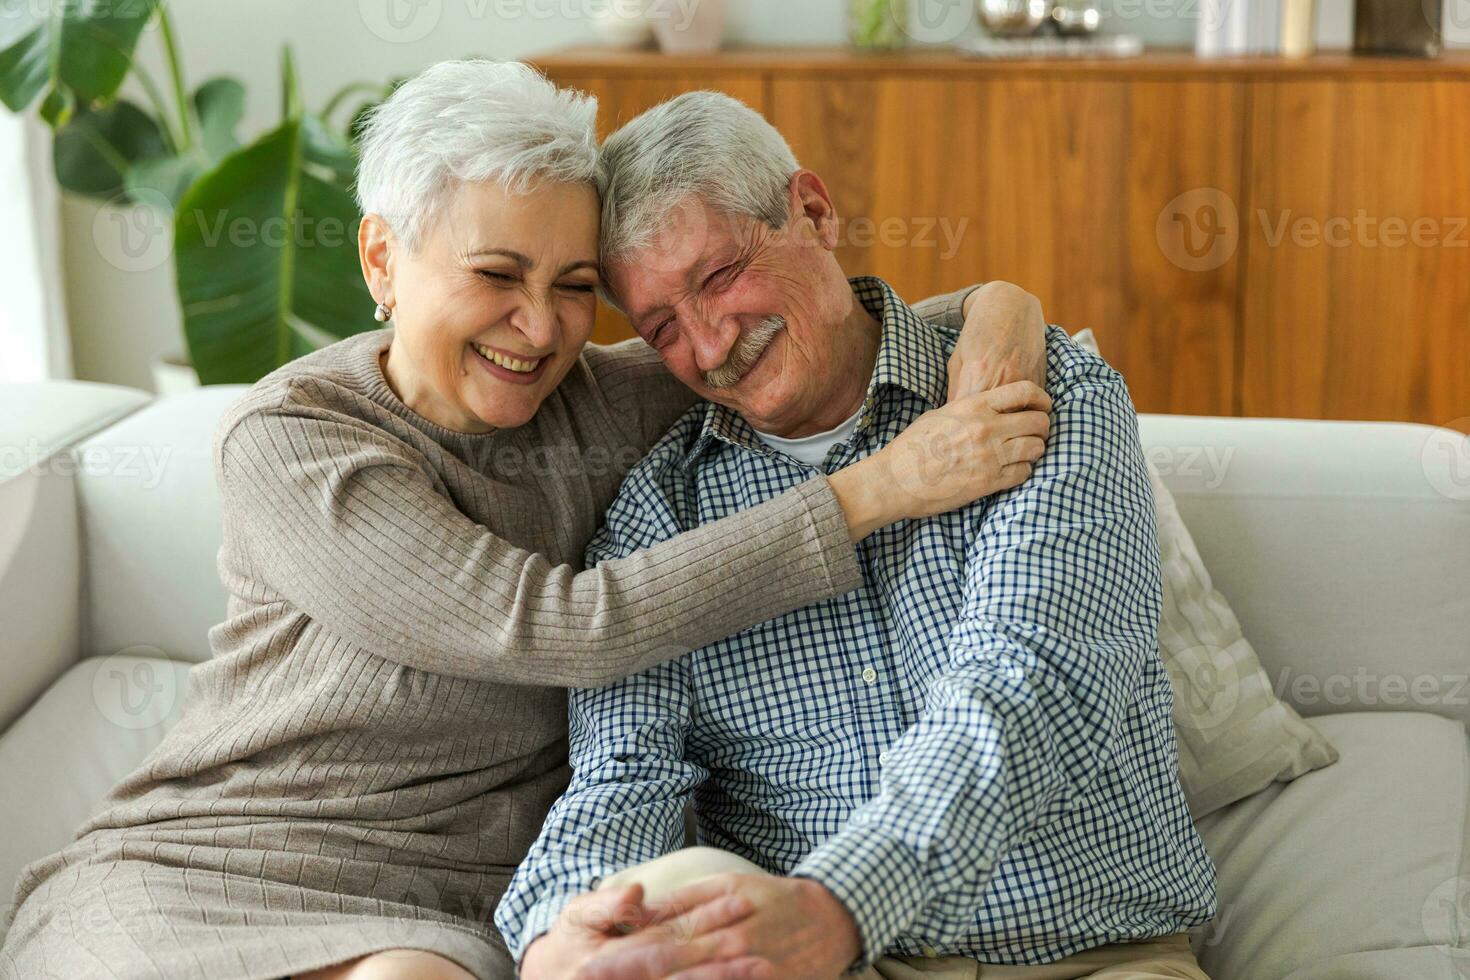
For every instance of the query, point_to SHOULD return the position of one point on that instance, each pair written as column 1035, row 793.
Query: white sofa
column 1344, row 547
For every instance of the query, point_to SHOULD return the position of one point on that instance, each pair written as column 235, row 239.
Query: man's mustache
column 746, row 352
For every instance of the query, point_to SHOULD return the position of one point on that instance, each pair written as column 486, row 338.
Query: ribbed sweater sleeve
column 947, row 311
column 346, row 523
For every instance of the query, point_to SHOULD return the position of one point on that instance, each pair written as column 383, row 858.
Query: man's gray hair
column 704, row 144
column 466, row 122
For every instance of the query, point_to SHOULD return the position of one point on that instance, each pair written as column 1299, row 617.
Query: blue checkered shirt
column 973, row 751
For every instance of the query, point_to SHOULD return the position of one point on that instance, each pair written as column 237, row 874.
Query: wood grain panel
column 1350, row 314
column 1176, row 206
column 1055, row 184
column 620, row 99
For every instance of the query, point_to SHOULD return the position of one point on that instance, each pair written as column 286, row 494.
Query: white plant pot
column 623, row 24
column 683, row 28
column 173, row 376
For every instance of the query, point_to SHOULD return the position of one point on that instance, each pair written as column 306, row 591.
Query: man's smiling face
column 744, row 314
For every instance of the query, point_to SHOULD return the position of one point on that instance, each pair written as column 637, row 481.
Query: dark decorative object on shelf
column 1402, row 27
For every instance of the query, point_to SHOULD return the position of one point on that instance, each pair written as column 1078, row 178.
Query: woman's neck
column 421, row 399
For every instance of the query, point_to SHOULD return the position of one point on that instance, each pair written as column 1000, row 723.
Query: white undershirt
column 811, row 450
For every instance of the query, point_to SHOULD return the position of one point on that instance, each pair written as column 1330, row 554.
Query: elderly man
column 964, row 769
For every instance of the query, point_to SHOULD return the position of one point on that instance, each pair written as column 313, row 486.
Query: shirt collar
column 912, row 356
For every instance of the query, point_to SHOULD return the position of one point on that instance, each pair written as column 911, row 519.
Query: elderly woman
column 382, row 727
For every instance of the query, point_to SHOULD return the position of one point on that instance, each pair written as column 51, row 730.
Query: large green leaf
column 94, row 152
column 167, row 178
column 265, row 256
column 220, row 105
column 328, row 151
column 85, row 46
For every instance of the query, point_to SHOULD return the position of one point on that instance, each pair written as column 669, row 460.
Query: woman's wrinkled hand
column 975, row 446
column 1004, row 341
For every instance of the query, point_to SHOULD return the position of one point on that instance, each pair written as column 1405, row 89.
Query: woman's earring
column 383, row 313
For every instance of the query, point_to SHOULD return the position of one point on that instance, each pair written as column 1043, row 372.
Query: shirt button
column 929, row 951
column 869, row 674
column 883, row 761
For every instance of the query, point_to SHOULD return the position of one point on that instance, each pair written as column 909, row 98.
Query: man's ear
column 376, row 246
column 808, row 198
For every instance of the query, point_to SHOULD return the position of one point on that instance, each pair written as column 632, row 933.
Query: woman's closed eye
column 498, row 278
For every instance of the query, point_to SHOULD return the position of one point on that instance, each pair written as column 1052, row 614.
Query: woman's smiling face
column 494, row 307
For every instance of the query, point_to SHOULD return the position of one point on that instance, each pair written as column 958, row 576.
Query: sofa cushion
column 89, row 730
column 1235, row 735
column 40, row 586
column 1337, row 545
column 1353, row 871
column 151, row 531
column 50, row 415
column 39, row 562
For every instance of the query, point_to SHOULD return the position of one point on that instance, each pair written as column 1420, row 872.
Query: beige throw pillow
column 1235, row 736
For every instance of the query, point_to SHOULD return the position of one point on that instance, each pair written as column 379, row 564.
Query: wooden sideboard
column 1245, row 236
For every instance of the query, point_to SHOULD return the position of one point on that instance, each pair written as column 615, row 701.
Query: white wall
column 32, row 304
column 119, row 280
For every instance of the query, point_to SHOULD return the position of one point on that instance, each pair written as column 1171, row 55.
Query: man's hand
column 613, row 935
column 1004, row 340
column 797, row 926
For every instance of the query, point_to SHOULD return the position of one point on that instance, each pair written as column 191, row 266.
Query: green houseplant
column 265, row 232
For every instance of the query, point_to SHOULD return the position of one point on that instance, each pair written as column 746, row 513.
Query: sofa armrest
column 39, row 552
column 1344, row 548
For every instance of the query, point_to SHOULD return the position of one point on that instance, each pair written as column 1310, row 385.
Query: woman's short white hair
column 704, row 144
column 470, row 122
